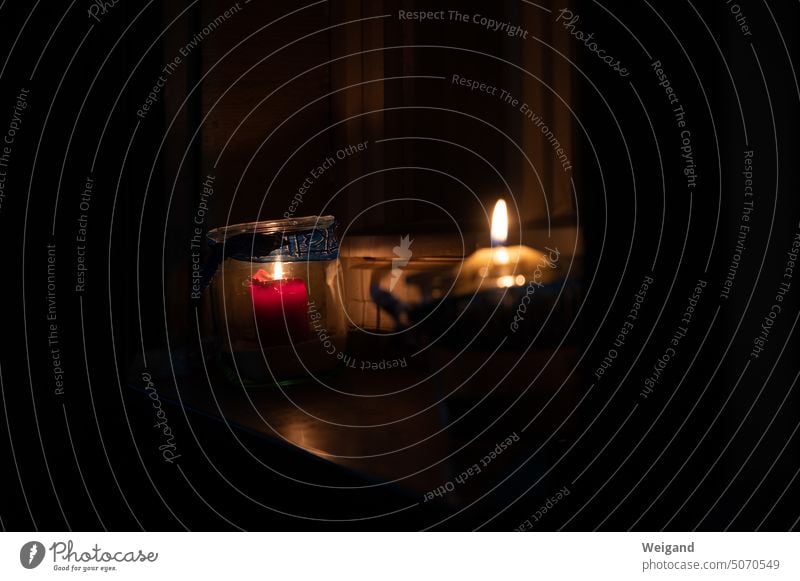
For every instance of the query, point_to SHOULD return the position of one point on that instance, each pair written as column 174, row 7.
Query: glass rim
column 285, row 225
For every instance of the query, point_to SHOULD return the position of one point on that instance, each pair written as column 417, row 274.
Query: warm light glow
column 499, row 223
column 501, row 255
column 505, row 281
column 277, row 271
column 509, row 280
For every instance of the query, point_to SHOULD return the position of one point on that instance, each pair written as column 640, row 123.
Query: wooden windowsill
column 566, row 239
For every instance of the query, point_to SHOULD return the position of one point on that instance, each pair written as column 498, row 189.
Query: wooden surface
column 416, row 427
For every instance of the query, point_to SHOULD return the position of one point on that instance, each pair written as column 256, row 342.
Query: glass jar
column 277, row 311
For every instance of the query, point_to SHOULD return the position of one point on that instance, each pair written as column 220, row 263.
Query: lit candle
column 280, row 306
column 503, row 266
column 499, row 230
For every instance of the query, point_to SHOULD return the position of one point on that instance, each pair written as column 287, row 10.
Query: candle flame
column 277, row 271
column 499, row 223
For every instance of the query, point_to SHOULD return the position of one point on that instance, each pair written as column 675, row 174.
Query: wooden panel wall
column 238, row 79
column 349, row 27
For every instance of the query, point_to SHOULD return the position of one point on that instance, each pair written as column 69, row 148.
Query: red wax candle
column 279, row 305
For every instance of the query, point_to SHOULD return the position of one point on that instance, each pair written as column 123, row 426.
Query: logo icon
column 31, row 554
column 403, row 254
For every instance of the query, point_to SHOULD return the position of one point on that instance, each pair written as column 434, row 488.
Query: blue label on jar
column 319, row 244
column 316, row 244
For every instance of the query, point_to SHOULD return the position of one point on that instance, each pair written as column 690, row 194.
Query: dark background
column 86, row 459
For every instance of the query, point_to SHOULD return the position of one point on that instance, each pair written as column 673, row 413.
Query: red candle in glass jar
column 280, row 306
